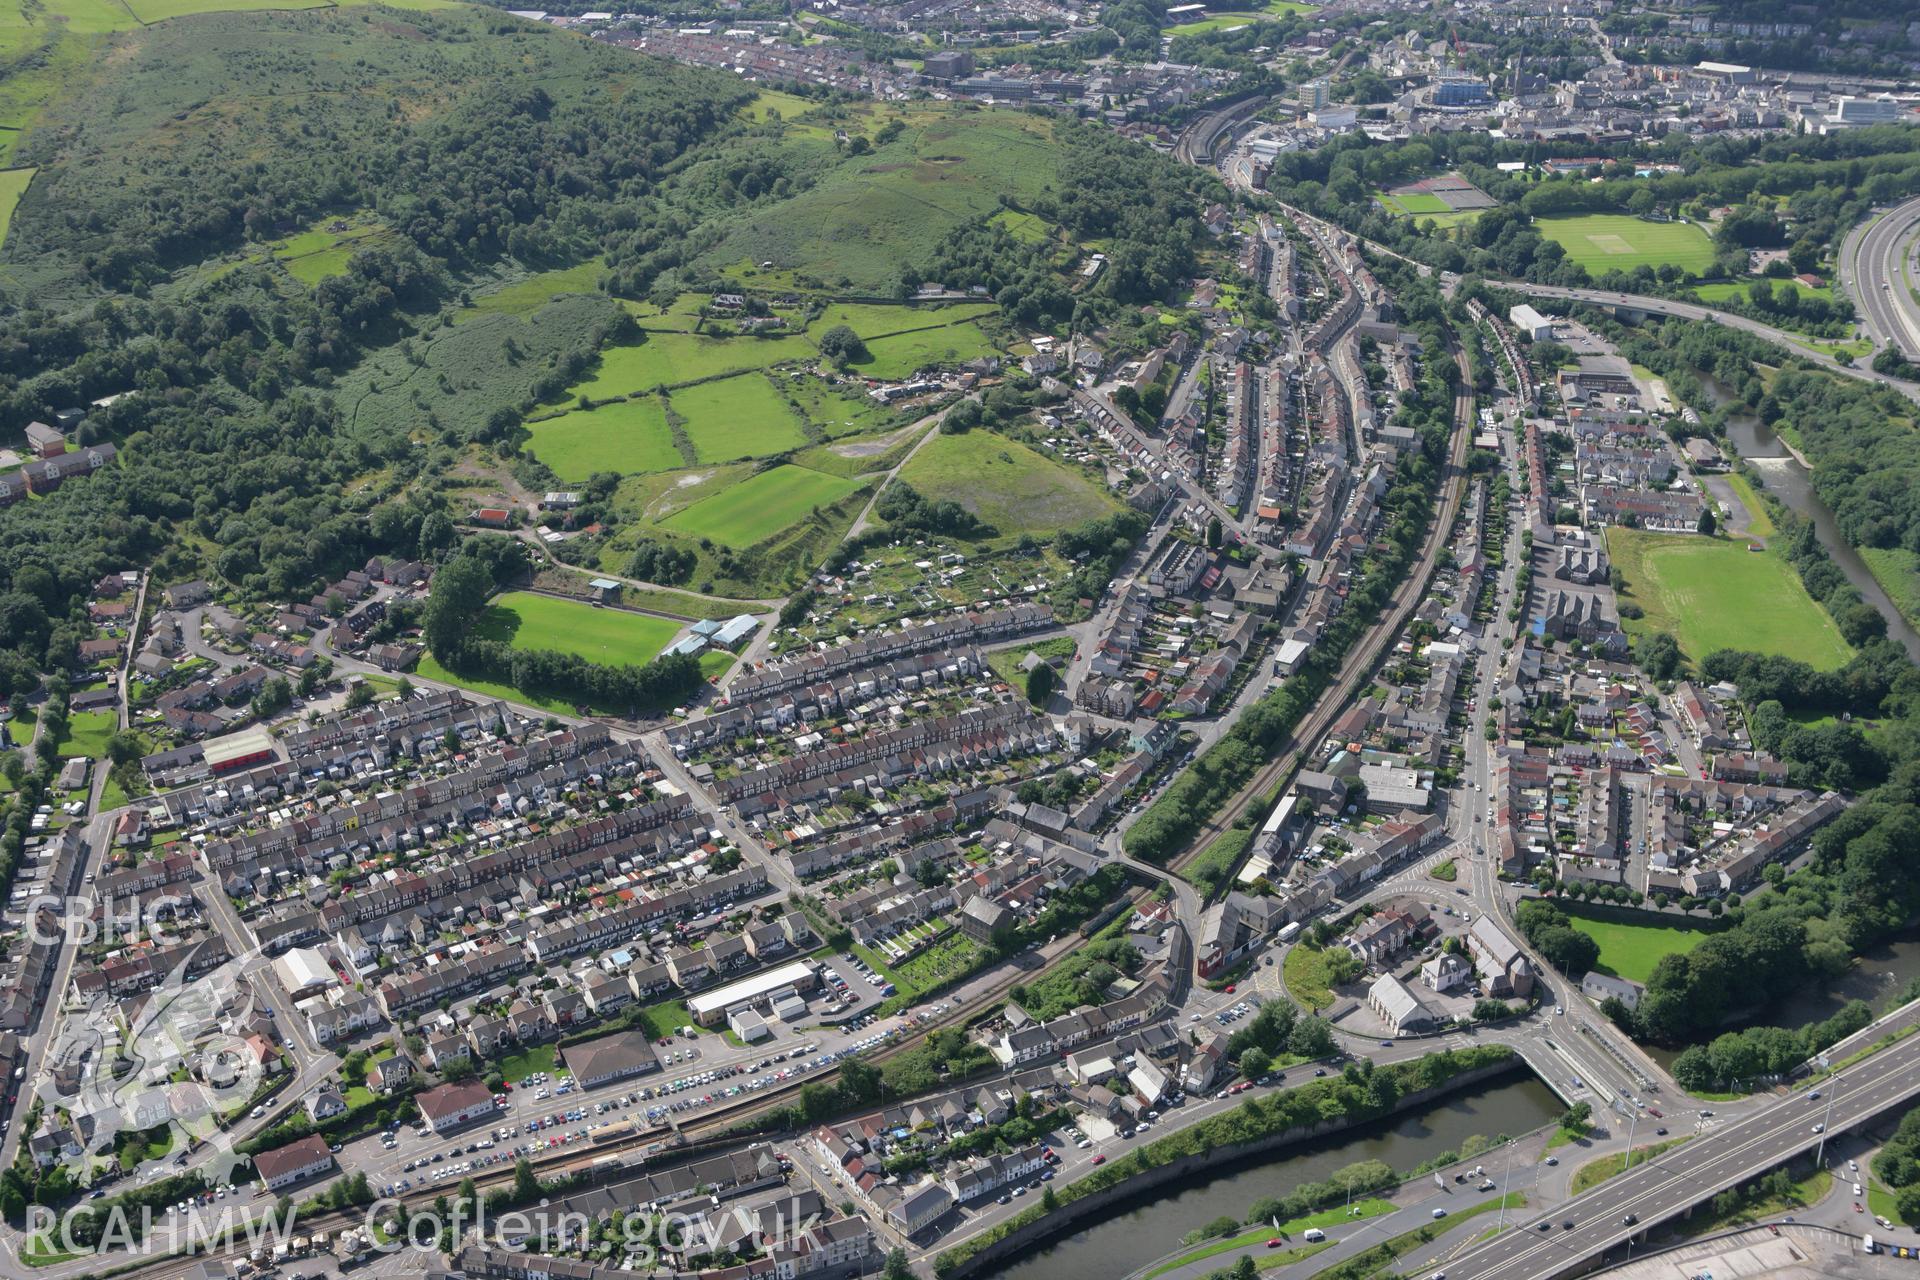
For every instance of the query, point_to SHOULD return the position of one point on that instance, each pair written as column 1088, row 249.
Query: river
column 1787, row 480
column 1138, row 1233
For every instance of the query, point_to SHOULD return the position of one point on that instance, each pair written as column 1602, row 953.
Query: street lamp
column 1833, row 1094
column 1632, row 1125
column 1505, row 1177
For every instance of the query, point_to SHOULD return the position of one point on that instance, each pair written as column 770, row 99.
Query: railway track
column 1365, row 656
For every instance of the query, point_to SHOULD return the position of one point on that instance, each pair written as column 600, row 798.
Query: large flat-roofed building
column 709, row 1008
column 1535, row 326
column 240, row 750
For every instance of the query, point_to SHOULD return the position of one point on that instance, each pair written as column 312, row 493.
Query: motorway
column 1873, row 267
column 1671, row 1183
column 1694, row 311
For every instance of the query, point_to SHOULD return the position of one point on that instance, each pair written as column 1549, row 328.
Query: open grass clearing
column 617, row 637
column 671, row 359
column 865, row 215
column 628, row 436
column 835, row 411
column 527, row 295
column 1630, row 950
column 738, row 417
column 87, row 734
column 13, row 185
column 1713, row 593
column 761, row 506
column 1722, row 290
column 1306, row 977
column 904, row 353
column 1897, row 570
column 1015, row 489
column 1603, row 242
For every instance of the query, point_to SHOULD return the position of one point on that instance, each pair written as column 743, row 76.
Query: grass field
column 1631, row 951
column 1306, row 977
column 865, row 215
column 628, row 436
column 738, row 417
column 1601, row 242
column 1011, row 487
column 613, row 636
column 901, row 354
column 1414, row 202
column 1027, row 227
column 1239, row 18
column 1721, row 290
column 1897, row 570
column 759, row 507
column 669, row 359
column 13, row 185
column 834, row 414
column 526, row 296
column 1711, row 593
column 313, row 256
column 87, row 734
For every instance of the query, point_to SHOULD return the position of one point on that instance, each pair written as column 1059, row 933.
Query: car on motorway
column 1630, row 1220
column 1099, row 1160
column 1819, row 1128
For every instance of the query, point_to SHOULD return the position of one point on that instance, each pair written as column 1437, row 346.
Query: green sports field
column 1602, row 242
column 1713, row 593
column 760, row 506
column 1414, row 202
column 1631, row 951
column 738, row 417
column 628, row 436
column 613, row 636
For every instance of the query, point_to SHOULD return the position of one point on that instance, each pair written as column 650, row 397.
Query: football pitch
column 527, row 620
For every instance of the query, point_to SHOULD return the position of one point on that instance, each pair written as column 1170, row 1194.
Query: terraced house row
column 395, row 819
column 973, row 627
column 925, row 749
column 915, row 673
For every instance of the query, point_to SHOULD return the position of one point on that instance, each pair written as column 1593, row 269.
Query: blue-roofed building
column 691, row 645
column 705, row 627
column 735, row 631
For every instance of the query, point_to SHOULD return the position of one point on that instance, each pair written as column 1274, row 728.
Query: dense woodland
column 477, row 146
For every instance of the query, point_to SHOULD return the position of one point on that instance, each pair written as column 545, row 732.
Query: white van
column 1315, row 1235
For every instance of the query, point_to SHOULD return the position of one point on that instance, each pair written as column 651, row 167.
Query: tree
column 1311, row 1038
column 1705, row 524
column 897, row 1266
column 842, row 345
column 526, row 1187
column 1040, row 683
column 1214, row 532
column 1255, row 1063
